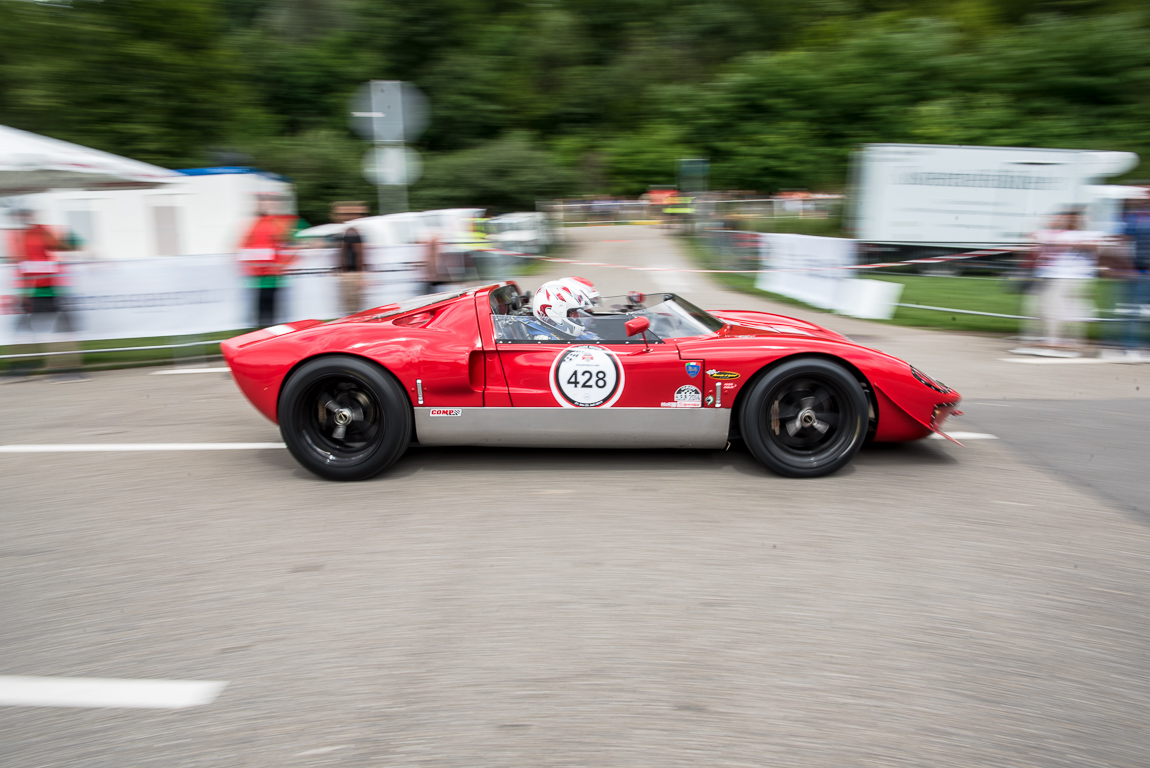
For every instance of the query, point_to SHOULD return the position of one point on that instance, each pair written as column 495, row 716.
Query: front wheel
column 344, row 418
column 805, row 418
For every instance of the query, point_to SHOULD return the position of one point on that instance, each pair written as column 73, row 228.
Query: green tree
column 325, row 166
column 149, row 80
column 509, row 174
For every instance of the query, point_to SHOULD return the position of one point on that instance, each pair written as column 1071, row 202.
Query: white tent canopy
column 30, row 163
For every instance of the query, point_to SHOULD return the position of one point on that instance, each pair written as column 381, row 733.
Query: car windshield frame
column 670, row 317
column 694, row 319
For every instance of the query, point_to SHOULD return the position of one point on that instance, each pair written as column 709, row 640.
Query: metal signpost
column 390, row 113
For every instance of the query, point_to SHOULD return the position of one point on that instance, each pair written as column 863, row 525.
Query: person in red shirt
column 264, row 257
column 40, row 273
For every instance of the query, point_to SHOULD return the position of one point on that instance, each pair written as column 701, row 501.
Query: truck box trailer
column 971, row 197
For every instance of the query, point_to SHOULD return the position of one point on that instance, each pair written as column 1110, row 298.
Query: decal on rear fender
column 445, row 412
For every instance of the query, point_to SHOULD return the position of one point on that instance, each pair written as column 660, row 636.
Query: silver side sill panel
column 575, row 427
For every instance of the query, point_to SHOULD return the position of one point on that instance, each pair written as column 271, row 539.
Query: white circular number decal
column 586, row 377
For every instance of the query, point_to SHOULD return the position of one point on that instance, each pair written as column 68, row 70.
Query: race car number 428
column 586, row 377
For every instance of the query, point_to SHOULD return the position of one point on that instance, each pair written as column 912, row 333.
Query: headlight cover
column 934, row 384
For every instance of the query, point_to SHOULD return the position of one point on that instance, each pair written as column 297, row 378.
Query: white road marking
column 111, row 447
column 965, row 436
column 177, row 371
column 16, row 691
column 1059, row 360
column 321, row 750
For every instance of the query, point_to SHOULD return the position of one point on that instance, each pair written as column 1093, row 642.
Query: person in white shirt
column 1067, row 261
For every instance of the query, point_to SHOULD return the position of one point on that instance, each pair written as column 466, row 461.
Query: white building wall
column 194, row 216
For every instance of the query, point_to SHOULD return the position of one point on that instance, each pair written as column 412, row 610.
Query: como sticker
column 586, row 377
column 441, row 412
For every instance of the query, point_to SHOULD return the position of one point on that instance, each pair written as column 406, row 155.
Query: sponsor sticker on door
column 446, row 412
column 686, row 396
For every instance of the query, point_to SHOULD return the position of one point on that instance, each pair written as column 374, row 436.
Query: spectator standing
column 41, row 278
column 40, row 273
column 435, row 263
column 352, row 260
column 264, row 257
column 1136, row 228
column 1067, row 261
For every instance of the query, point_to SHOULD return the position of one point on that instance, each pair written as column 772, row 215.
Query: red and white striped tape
column 885, row 264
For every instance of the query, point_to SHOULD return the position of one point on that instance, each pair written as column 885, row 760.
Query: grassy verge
column 207, row 346
column 827, row 226
column 976, row 294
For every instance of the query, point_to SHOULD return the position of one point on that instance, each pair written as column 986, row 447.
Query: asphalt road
column 928, row 605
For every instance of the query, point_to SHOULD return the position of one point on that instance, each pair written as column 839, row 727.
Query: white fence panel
column 198, row 294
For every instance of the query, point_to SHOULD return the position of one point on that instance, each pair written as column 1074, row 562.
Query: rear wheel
column 805, row 418
column 344, row 418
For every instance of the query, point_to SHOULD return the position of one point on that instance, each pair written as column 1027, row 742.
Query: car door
column 615, row 391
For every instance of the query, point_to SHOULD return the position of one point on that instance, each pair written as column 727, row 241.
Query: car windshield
column 671, row 316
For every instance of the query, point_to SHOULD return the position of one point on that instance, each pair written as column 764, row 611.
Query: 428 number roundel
column 600, row 379
column 586, row 377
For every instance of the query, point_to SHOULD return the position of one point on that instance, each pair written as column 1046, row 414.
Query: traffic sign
column 388, row 111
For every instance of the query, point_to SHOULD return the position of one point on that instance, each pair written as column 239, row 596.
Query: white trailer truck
column 974, row 197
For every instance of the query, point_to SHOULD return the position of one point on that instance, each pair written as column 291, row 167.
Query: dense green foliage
column 579, row 96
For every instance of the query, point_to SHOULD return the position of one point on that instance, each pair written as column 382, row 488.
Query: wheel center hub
column 807, row 417
column 343, row 417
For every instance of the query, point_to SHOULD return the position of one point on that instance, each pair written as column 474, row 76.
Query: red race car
column 569, row 369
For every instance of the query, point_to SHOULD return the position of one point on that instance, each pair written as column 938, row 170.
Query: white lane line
column 177, row 371
column 965, row 436
column 322, row 750
column 17, row 691
column 1059, row 360
column 111, row 447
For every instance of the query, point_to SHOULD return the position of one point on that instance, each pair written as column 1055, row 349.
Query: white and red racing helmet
column 584, row 290
column 555, row 300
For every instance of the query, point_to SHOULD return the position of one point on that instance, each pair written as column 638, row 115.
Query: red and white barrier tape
column 880, row 265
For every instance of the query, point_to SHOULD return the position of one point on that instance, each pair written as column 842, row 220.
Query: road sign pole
column 389, row 113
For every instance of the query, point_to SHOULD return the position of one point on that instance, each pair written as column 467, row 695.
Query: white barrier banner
column 798, row 252
column 187, row 295
column 831, row 283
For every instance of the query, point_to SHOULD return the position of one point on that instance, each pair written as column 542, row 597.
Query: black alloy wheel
column 805, row 418
column 344, row 418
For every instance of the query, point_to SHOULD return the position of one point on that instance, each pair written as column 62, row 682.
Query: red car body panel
column 447, row 353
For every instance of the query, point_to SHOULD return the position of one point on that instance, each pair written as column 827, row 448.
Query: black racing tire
column 328, row 393
column 805, row 418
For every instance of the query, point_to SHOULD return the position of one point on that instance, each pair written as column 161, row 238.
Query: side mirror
column 637, row 325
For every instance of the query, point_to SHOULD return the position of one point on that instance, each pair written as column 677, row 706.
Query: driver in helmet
column 558, row 310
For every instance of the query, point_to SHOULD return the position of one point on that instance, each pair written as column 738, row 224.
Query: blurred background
column 541, row 100
column 712, row 118
column 757, row 113
column 973, row 166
